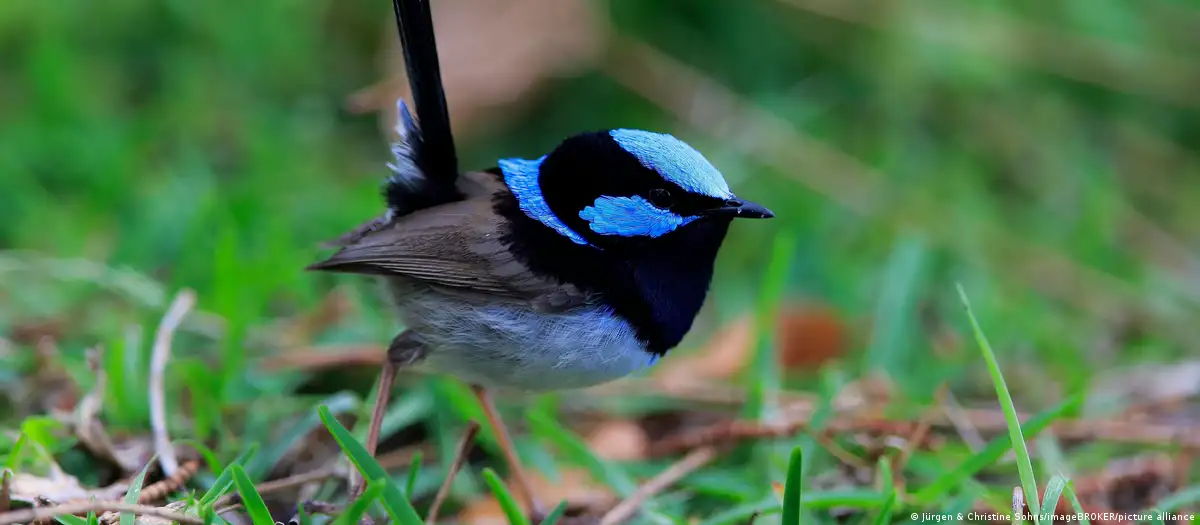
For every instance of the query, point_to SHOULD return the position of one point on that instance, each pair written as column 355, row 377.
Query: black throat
column 657, row 286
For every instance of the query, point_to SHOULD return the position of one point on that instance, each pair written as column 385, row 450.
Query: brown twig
column 460, row 456
column 161, row 488
column 690, row 463
column 313, row 506
column 292, row 481
column 178, row 309
column 75, row 509
column 320, row 358
column 220, row 510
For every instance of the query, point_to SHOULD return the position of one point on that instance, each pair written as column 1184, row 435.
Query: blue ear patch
column 631, row 216
column 674, row 160
column 521, row 176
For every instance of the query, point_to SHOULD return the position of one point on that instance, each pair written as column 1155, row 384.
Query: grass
column 1041, row 154
column 1016, row 438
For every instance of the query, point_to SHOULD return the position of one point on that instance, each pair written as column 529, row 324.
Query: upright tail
column 427, row 174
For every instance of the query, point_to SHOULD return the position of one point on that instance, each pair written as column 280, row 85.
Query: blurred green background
column 1043, row 154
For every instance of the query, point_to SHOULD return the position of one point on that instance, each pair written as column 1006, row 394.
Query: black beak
column 741, row 209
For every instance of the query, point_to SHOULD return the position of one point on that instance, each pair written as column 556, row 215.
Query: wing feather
column 457, row 245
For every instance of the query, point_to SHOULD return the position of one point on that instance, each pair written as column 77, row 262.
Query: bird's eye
column 661, row 198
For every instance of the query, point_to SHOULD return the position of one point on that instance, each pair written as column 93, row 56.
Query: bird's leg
column 404, row 350
column 533, row 506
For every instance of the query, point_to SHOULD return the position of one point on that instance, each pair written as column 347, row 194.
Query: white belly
column 505, row 346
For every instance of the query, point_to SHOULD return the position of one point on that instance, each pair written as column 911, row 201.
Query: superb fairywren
column 573, row 269
column 566, row 271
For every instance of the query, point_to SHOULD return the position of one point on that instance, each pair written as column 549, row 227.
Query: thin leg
column 532, row 505
column 404, row 350
column 387, row 378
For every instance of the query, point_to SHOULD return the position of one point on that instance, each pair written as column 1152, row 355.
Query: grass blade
column 1070, row 490
column 359, row 507
column 67, row 519
column 135, row 491
column 1024, row 465
column 885, row 511
column 1185, row 496
column 302, row 515
column 1156, row 516
column 507, row 503
column 410, row 484
column 14, row 454
column 742, row 513
column 251, row 499
column 225, row 478
column 208, row 515
column 991, row 453
column 889, row 492
column 209, row 457
column 556, row 514
column 394, row 501
column 860, row 499
column 791, row 488
column 1053, row 493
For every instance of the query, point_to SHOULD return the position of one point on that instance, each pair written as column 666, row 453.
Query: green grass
column 1043, row 155
column 792, row 489
column 1017, row 439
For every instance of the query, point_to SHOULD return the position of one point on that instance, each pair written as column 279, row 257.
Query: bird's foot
column 533, row 506
column 404, row 350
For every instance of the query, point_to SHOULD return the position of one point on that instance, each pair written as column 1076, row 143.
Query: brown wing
column 475, row 184
column 456, row 245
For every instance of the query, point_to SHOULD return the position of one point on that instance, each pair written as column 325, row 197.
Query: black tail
column 433, row 153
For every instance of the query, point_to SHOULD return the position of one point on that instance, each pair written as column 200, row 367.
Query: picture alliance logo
column 975, row 516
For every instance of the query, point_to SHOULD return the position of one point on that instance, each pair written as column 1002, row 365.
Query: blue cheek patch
column 521, row 176
column 674, row 160
column 631, row 216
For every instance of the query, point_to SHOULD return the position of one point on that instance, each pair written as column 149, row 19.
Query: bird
column 581, row 266
column 576, row 268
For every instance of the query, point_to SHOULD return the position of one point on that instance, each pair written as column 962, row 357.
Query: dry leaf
column 58, row 487
column 492, row 54
column 809, row 336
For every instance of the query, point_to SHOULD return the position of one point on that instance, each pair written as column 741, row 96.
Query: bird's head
column 626, row 188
